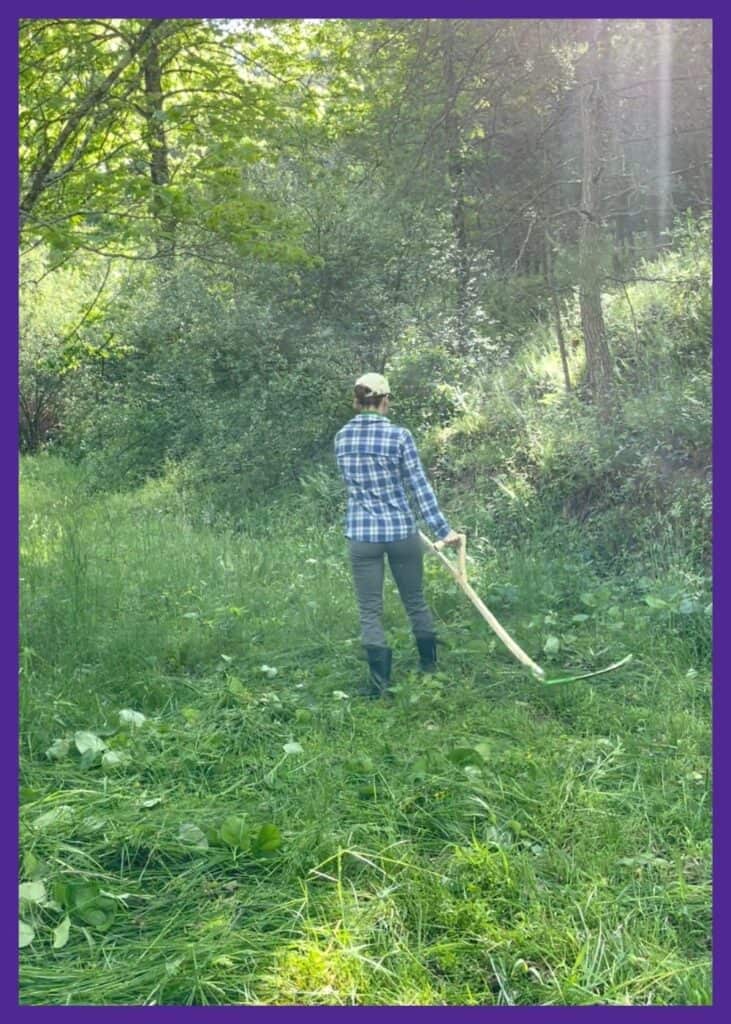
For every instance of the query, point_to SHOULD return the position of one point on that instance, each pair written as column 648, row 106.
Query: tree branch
column 88, row 312
column 39, row 178
column 657, row 280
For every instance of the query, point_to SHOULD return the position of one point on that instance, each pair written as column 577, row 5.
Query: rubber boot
column 427, row 646
column 379, row 667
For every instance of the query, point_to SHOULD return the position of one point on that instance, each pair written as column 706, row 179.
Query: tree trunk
column 455, row 172
column 591, row 101
column 556, row 305
column 157, row 145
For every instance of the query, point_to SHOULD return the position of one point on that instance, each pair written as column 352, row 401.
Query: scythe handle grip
column 461, row 553
column 482, row 608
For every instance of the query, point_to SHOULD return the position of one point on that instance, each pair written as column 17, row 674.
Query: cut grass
column 477, row 839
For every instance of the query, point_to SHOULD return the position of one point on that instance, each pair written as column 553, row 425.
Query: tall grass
column 476, row 839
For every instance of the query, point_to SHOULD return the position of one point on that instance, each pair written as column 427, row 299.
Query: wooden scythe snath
column 459, row 572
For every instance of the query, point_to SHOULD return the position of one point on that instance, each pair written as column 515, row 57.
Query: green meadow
column 211, row 815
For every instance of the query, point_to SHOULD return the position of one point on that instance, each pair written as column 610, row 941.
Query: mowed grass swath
column 208, row 816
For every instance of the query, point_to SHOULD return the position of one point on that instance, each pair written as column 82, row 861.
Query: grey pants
column 406, row 559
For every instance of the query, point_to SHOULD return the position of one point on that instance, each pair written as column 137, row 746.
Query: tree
column 56, row 145
column 591, row 87
column 138, row 137
column 154, row 112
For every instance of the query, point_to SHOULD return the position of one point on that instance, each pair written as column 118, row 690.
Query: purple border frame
column 9, row 447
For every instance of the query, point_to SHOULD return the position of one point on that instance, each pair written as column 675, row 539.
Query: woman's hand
column 452, row 540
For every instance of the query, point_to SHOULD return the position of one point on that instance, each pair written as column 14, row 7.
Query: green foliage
column 535, row 453
column 111, row 162
column 662, row 322
column 64, row 323
column 215, row 383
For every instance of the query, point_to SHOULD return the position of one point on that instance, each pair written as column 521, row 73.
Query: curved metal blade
column 588, row 675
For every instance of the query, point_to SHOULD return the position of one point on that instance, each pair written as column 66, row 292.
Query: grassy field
column 251, row 831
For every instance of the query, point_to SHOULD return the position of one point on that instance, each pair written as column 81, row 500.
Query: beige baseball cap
column 375, row 383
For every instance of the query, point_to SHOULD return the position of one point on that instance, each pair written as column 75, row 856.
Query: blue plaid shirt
column 376, row 459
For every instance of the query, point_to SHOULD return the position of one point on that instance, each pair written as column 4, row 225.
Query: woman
column 378, row 462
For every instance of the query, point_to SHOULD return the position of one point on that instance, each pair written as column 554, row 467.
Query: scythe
column 459, row 572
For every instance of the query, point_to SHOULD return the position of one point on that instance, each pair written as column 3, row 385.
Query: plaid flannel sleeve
column 415, row 477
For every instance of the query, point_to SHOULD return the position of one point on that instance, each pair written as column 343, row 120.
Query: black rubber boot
column 379, row 666
column 427, row 646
